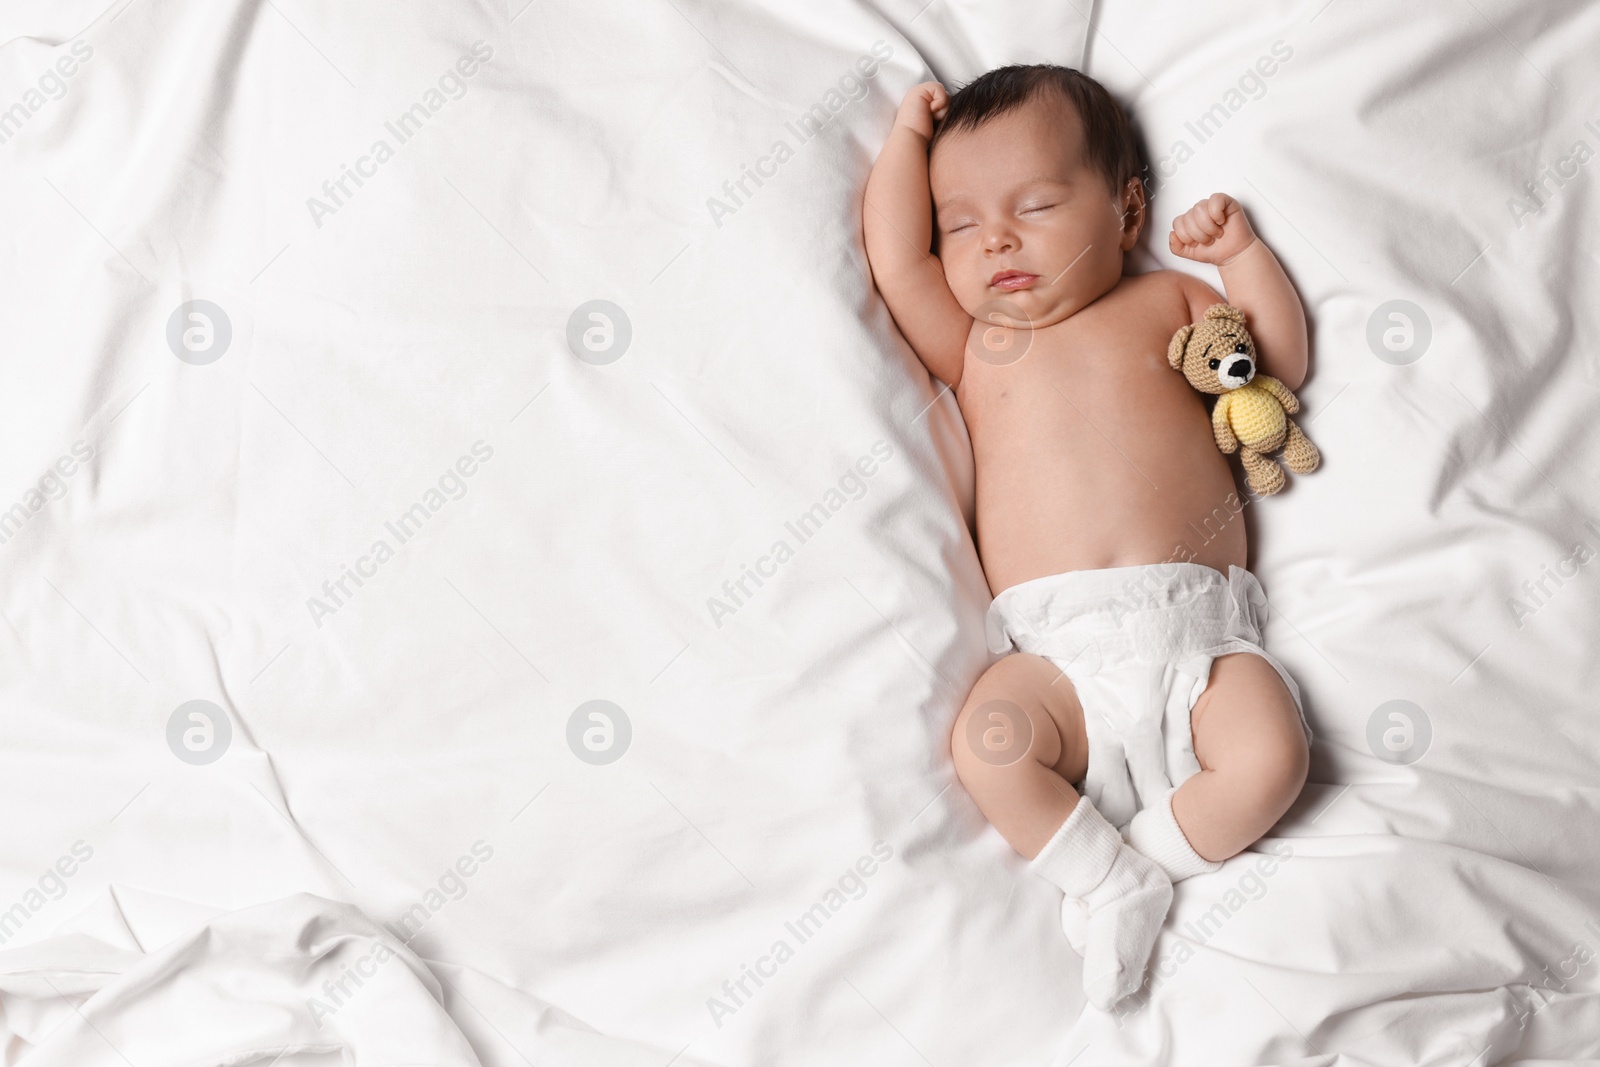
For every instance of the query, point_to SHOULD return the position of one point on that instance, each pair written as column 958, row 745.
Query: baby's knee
column 1003, row 723
column 991, row 734
column 1251, row 731
column 1274, row 770
column 1293, row 764
column 1262, row 770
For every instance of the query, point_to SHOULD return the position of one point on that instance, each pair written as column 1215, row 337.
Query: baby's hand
column 1213, row 231
column 923, row 105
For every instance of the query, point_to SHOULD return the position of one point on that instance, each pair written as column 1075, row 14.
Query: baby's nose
column 999, row 241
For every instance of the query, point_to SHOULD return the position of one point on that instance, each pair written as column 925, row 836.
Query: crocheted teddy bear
column 1252, row 410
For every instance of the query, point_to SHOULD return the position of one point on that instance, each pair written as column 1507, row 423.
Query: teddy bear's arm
column 1280, row 392
column 1220, row 427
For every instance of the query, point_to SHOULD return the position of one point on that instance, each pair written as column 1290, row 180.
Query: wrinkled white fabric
column 301, row 975
column 556, row 530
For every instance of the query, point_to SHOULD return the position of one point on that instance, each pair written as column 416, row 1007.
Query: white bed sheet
column 394, row 735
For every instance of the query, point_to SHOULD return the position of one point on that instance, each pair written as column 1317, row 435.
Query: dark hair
column 1110, row 146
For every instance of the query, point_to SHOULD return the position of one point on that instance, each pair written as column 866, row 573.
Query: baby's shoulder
column 1165, row 296
column 1196, row 295
column 1176, row 285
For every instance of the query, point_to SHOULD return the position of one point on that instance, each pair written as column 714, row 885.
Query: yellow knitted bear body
column 1254, row 414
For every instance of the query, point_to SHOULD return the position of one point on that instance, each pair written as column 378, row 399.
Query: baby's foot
column 1116, row 901
column 1124, row 915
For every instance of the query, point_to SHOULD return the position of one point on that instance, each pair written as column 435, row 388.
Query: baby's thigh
column 1037, row 688
column 1247, row 722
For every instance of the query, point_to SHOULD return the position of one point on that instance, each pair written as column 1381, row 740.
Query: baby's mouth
column 1012, row 280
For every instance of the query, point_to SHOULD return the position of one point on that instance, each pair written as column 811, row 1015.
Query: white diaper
column 1137, row 644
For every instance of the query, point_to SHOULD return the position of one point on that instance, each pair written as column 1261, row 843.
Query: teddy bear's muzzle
column 1237, row 372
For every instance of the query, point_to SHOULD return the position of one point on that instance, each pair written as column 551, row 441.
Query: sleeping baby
column 1135, row 698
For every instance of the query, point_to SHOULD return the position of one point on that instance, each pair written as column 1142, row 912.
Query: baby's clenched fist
column 924, row 105
column 1213, row 231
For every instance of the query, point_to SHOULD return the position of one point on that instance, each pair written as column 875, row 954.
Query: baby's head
column 1034, row 171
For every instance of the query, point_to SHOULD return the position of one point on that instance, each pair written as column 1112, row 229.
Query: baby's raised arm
column 1216, row 231
column 897, row 223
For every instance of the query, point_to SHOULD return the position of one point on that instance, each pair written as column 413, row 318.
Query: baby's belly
column 1128, row 488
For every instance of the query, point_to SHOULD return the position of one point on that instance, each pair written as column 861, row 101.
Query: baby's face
column 1029, row 232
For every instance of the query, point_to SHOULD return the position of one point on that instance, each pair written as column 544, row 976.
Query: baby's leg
column 1252, row 753
column 1019, row 777
column 1017, row 743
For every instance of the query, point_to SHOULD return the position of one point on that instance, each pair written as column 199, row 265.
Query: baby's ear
column 1134, row 205
column 1180, row 341
column 1225, row 311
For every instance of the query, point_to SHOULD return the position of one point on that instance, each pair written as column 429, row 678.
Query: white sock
column 1156, row 835
column 1124, row 897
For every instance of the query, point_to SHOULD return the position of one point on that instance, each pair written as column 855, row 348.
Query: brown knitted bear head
column 1216, row 354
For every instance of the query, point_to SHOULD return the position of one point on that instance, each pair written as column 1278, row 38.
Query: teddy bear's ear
column 1180, row 341
column 1224, row 311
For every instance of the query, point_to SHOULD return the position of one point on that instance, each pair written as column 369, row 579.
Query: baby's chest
column 1065, row 385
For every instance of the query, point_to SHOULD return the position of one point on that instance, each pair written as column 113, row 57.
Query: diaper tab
column 1248, row 606
column 994, row 631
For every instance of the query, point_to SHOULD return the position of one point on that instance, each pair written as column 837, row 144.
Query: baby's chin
column 1025, row 310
